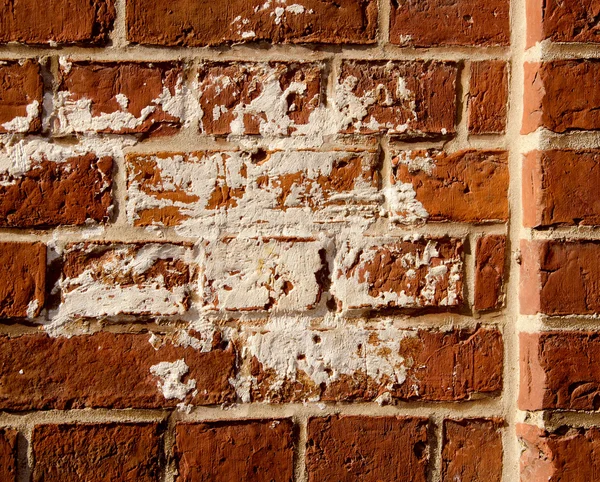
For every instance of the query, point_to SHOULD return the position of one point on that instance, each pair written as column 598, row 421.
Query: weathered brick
column 370, row 449
column 23, row 275
column 21, row 93
column 430, row 23
column 560, row 370
column 472, row 450
column 107, row 279
column 8, row 455
column 291, row 361
column 411, row 99
column 488, row 97
column 112, row 451
column 192, row 23
column 249, row 274
column 569, row 455
column 561, row 95
column 107, row 370
column 284, row 188
column 490, row 258
column 257, row 450
column 562, row 21
column 559, row 188
column 388, row 272
column 560, row 277
column 73, row 190
column 59, row 21
column 467, row 186
column 119, row 97
column 259, row 98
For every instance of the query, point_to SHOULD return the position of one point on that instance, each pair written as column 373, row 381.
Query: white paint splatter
column 171, row 374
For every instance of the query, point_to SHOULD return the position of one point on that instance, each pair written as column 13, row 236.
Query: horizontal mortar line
column 547, row 50
column 557, row 419
column 462, row 409
column 246, row 53
column 544, row 323
column 544, row 139
column 579, row 233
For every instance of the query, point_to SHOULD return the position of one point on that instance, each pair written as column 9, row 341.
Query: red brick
column 569, row 455
column 561, row 95
column 560, row 370
column 562, row 21
column 472, row 450
column 559, row 188
column 107, row 370
column 258, row 98
column 107, row 279
column 249, row 274
column 59, row 21
column 560, row 277
column 392, row 273
column 411, row 99
column 73, row 191
column 21, row 95
column 369, row 449
column 296, row 363
column 490, row 258
column 23, row 275
column 466, row 186
column 118, row 97
column 127, row 452
column 488, row 97
column 430, row 23
column 8, row 455
column 291, row 188
column 257, row 450
column 192, row 23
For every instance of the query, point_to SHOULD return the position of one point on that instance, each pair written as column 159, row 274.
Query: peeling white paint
column 23, row 124
column 171, row 375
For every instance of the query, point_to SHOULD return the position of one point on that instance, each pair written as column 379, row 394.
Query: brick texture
column 369, row 448
column 21, row 91
column 488, row 97
column 127, row 452
column 8, row 455
column 490, row 258
column 260, row 450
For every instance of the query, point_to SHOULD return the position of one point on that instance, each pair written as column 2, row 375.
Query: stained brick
column 21, row 92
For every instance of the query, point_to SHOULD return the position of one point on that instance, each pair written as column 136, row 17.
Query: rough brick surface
column 23, row 275
column 383, row 273
column 472, row 450
column 569, row 455
column 200, row 189
column 107, row 279
column 21, row 91
column 8, row 455
column 257, row 450
column 411, row 99
column 560, row 95
column 560, row 370
column 60, row 21
column 562, row 21
column 291, row 362
column 490, row 258
column 249, row 274
column 466, row 186
column 128, row 97
column 488, row 97
column 367, row 448
column 431, row 23
column 560, row 277
column 108, row 370
column 193, row 23
column 125, row 452
column 73, row 191
column 559, row 188
column 259, row 98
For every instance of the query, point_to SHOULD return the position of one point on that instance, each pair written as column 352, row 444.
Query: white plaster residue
column 289, row 347
column 171, row 375
column 122, row 100
column 32, row 308
column 403, row 205
column 22, row 124
column 417, row 160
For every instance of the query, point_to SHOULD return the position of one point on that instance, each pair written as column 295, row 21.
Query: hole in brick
column 420, row 449
column 317, row 339
column 259, row 157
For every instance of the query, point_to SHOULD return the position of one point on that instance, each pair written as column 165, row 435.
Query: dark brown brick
column 23, row 275
column 8, row 455
column 369, row 449
column 257, row 450
column 125, row 452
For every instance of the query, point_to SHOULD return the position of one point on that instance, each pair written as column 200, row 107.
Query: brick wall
column 299, row 241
